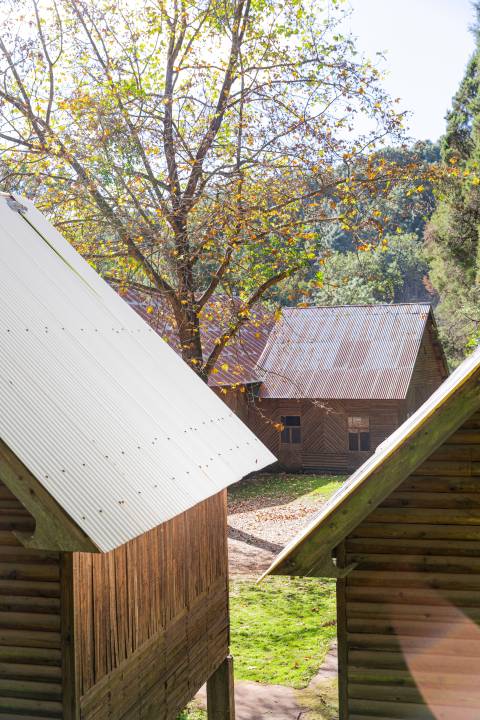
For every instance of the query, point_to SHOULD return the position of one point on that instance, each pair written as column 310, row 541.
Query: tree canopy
column 190, row 148
column 453, row 234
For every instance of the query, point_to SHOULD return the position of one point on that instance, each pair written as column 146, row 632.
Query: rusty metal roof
column 349, row 352
column 395, row 459
column 238, row 360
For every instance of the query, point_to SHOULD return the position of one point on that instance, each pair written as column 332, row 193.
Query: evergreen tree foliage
column 452, row 236
column 359, row 268
column 401, row 210
column 394, row 272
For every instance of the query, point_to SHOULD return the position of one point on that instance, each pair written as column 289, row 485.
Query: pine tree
column 453, row 235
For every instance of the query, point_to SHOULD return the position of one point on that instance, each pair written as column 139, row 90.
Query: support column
column 342, row 636
column 220, row 692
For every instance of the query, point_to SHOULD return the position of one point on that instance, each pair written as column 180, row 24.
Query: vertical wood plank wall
column 30, row 644
column 418, row 581
column 152, row 617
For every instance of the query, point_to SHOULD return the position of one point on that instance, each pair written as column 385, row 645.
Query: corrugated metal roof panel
column 420, row 422
column 351, row 352
column 100, row 410
column 238, row 360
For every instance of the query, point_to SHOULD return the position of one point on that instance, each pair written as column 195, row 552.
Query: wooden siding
column 237, row 399
column 412, row 604
column 324, row 430
column 30, row 640
column 429, row 371
column 324, row 422
column 152, row 617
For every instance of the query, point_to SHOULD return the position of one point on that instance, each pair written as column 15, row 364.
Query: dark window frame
column 358, row 433
column 291, row 433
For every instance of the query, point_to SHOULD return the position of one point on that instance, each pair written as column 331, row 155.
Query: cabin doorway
column 290, row 454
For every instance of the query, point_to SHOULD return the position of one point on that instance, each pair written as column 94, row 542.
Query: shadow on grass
column 270, row 490
column 320, row 701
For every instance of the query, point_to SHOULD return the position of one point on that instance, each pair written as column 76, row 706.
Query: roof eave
column 312, row 550
column 54, row 528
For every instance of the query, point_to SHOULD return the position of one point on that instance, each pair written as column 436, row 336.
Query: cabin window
column 291, row 430
column 359, row 434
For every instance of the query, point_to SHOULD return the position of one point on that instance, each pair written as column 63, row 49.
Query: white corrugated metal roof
column 417, row 423
column 238, row 359
column 94, row 403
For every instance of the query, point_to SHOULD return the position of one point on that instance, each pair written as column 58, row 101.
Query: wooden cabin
column 323, row 386
column 335, row 382
column 402, row 538
column 114, row 459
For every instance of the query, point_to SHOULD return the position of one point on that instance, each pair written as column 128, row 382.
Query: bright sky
column 427, row 44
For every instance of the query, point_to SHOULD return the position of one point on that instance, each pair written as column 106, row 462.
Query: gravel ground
column 259, row 527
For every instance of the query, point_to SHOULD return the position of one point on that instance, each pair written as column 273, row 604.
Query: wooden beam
column 342, row 635
column 325, row 566
column 220, row 692
column 54, row 529
column 315, row 548
column 70, row 674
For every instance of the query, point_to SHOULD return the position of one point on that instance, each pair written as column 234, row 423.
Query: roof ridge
column 393, row 460
column 359, row 305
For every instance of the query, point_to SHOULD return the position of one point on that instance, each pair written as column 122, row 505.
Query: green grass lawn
column 280, row 486
column 281, row 629
column 192, row 713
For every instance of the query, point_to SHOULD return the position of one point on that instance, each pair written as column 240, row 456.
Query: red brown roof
column 238, row 360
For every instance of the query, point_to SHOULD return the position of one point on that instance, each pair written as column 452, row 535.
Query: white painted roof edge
column 243, row 460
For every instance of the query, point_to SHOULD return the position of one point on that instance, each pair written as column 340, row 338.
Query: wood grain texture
column 30, row 622
column 53, row 528
column 221, row 692
column 417, row 582
column 342, row 637
column 130, row 635
column 151, row 617
column 324, row 430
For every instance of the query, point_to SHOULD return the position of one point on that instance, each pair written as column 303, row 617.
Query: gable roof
column 106, row 418
column 238, row 361
column 393, row 461
column 349, row 352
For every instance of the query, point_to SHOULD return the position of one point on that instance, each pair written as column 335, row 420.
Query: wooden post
column 70, row 679
column 220, row 692
column 342, row 637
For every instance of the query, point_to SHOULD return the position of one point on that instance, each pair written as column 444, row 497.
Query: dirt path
column 259, row 527
column 254, row 701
